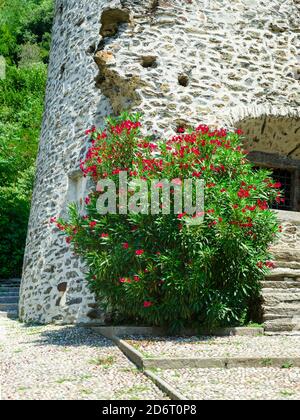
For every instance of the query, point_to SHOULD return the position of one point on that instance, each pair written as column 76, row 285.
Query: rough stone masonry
column 231, row 63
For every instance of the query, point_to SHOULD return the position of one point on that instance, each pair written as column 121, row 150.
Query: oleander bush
column 158, row 269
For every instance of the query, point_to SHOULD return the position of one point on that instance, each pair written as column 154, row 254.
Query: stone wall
column 180, row 62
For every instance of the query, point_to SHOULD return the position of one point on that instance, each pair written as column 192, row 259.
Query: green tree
column 25, row 35
column 14, row 213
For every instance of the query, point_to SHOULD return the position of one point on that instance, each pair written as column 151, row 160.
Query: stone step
column 4, row 292
column 273, row 299
column 284, row 272
column 281, row 292
column 13, row 293
column 9, row 289
column 283, row 309
column 10, row 314
column 289, row 333
column 269, row 316
column 282, row 325
column 281, row 284
column 9, row 299
column 8, row 307
column 10, row 281
column 9, row 285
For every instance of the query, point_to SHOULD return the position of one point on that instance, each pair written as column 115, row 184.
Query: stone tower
column 232, row 63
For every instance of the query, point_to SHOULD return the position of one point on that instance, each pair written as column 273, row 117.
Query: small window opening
column 286, row 179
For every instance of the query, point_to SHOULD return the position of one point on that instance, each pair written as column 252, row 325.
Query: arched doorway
column 274, row 142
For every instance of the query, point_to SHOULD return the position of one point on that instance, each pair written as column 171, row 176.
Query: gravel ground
column 66, row 363
column 235, row 384
column 262, row 346
column 59, row 363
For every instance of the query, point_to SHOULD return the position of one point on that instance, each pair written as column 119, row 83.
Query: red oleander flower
column 60, row 227
column 125, row 245
column 239, row 132
column 279, row 199
column 136, row 278
column 263, row 205
column 270, row 264
column 104, row 235
column 243, row 193
column 181, row 215
column 139, row 252
column 147, row 304
column 251, row 208
column 87, row 200
column 93, row 224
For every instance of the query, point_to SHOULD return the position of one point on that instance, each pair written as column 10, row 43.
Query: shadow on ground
column 72, row 336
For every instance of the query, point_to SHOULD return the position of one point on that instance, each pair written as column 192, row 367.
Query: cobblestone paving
column 235, row 346
column 236, row 383
column 55, row 362
column 60, row 363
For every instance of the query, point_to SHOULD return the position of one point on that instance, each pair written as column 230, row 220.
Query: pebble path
column 66, row 363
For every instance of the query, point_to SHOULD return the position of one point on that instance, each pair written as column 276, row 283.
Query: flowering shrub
column 157, row 269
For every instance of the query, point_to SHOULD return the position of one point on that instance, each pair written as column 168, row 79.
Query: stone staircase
column 281, row 289
column 281, row 294
column 9, row 298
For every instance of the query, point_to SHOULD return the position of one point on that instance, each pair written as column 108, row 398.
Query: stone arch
column 268, row 129
column 272, row 137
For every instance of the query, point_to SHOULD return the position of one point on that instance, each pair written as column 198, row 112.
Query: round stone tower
column 232, row 63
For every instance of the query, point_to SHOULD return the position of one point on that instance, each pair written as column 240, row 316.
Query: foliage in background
column 25, row 27
column 155, row 269
column 23, row 23
column 14, row 210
